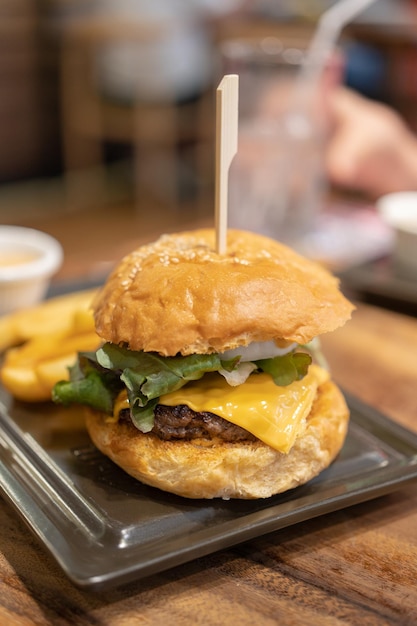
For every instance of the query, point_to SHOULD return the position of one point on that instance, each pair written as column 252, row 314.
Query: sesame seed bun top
column 178, row 296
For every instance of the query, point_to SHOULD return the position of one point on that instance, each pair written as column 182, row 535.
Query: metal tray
column 105, row 529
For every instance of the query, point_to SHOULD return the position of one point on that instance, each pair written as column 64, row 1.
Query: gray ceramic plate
column 104, row 528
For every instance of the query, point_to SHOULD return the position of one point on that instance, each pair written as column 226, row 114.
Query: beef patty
column 181, row 422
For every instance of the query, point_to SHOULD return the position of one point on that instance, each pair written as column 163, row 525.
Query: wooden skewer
column 227, row 98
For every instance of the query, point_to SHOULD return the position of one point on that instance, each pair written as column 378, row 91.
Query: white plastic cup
column 28, row 260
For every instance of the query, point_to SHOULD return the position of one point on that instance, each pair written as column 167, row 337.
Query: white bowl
column 28, row 260
column 399, row 211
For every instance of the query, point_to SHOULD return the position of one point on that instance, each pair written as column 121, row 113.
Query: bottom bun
column 207, row 469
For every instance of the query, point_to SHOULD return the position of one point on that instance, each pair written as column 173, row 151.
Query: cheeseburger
column 207, row 384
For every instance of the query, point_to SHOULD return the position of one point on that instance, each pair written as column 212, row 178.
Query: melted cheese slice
column 274, row 414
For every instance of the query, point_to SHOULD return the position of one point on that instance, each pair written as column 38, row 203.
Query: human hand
column 370, row 148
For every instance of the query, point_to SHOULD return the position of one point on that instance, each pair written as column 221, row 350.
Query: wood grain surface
column 357, row 566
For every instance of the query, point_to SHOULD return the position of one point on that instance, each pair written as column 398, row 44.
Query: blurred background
column 107, row 106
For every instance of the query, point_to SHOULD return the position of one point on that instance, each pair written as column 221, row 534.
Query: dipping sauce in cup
column 28, row 260
column 11, row 258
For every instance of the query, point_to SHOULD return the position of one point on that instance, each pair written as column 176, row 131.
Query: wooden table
column 355, row 566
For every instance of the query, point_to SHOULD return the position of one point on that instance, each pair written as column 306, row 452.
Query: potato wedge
column 8, row 333
column 29, row 372
column 57, row 314
column 43, row 341
column 23, row 384
column 52, row 371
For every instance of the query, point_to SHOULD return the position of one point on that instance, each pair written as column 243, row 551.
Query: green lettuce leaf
column 155, row 375
column 99, row 376
column 286, row 369
column 88, row 385
column 146, row 376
